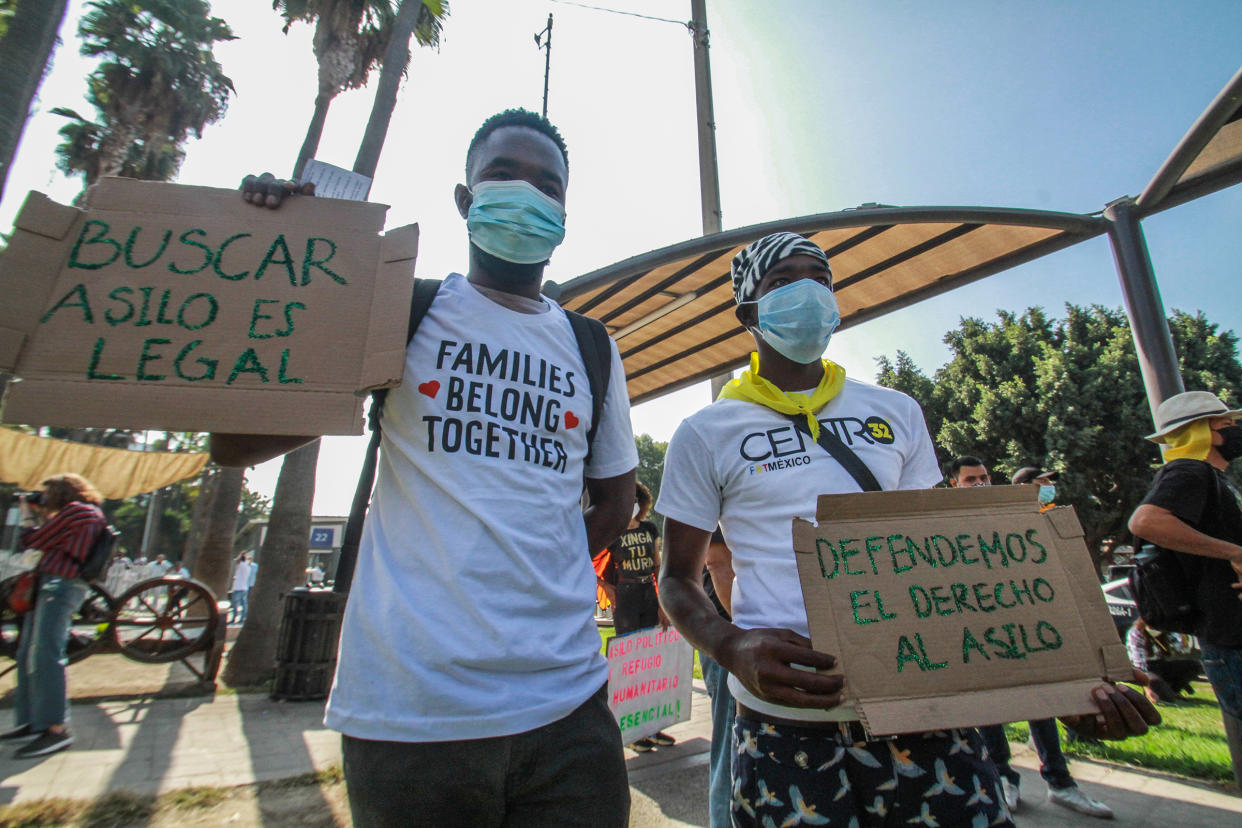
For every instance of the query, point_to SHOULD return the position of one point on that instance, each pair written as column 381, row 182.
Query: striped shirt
column 66, row 538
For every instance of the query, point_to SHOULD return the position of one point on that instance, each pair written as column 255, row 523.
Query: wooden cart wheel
column 164, row 619
column 87, row 631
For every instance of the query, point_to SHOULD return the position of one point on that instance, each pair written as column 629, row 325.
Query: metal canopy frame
column 671, row 310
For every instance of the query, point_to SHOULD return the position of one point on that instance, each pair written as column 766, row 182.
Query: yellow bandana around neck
column 1192, row 441
column 753, row 388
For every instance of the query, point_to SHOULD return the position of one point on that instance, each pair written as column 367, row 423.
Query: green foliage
column 157, row 82
column 651, row 469
column 1063, row 394
column 1190, row 741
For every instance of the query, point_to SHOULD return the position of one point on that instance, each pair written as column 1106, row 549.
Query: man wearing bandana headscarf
column 1194, row 509
column 751, row 463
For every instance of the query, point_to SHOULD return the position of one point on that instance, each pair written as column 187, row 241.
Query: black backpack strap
column 420, row 302
column 596, row 350
column 843, row 454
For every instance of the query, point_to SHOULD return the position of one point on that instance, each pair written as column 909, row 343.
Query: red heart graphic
column 571, row 419
column 429, row 388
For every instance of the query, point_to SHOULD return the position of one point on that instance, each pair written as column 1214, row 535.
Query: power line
column 618, row 11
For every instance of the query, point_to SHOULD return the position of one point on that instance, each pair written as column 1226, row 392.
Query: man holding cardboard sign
column 751, row 463
column 470, row 689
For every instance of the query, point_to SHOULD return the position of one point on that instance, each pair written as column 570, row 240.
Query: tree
column 423, row 20
column 651, row 468
column 1065, row 395
column 350, row 40
column 215, row 556
column 157, row 82
column 26, row 43
column 903, row 375
column 282, row 564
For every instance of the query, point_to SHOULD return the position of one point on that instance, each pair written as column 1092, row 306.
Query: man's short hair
column 515, row 118
column 955, row 467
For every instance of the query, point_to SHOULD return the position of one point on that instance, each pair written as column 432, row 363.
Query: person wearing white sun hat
column 1195, row 509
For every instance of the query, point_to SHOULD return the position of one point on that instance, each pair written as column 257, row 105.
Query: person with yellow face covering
column 1195, row 510
column 756, row 458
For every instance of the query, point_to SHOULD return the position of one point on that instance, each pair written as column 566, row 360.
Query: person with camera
column 1195, row 510
column 71, row 521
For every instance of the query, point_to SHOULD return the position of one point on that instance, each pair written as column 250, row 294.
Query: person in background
column 718, row 584
column 1194, row 509
column 239, row 593
column 71, row 521
column 634, row 559
column 969, row 471
column 1046, row 481
column 179, row 571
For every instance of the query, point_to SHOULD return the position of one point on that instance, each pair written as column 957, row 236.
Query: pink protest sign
column 649, row 678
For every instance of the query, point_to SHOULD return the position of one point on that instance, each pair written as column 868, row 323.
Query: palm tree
column 157, row 83
column 282, row 565
column 424, row 21
column 26, row 44
column 350, row 39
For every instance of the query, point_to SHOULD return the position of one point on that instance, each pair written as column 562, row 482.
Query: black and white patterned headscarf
column 758, row 257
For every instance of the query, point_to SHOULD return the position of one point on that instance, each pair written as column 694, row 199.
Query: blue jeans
column 239, row 602
column 1052, row 765
column 1223, row 666
column 719, row 784
column 41, row 699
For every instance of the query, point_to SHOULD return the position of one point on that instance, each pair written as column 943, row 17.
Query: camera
column 33, row 498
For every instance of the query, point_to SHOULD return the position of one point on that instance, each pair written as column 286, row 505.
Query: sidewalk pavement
column 153, row 746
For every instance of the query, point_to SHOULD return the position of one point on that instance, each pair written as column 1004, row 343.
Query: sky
column 820, row 105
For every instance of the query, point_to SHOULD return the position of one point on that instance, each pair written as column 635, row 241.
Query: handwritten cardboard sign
column 649, row 681
column 184, row 308
column 956, row 607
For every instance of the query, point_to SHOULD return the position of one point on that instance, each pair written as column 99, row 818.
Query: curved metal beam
column 1219, row 112
column 1078, row 224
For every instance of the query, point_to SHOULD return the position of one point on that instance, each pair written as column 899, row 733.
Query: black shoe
column 49, row 742
column 19, row 733
column 641, row 746
column 662, row 739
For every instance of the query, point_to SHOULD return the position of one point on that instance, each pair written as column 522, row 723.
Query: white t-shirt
column 472, row 608
column 241, row 576
column 747, row 468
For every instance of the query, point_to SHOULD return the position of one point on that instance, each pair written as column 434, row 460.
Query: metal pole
column 1148, row 324
column 709, row 179
column 547, row 64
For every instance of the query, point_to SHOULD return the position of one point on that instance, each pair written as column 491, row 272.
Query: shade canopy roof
column 671, row 310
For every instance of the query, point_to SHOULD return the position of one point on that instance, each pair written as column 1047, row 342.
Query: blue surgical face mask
column 1047, row 494
column 798, row 319
column 513, row 221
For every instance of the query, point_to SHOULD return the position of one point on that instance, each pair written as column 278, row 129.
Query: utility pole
column 546, row 45
column 709, row 173
column 709, row 178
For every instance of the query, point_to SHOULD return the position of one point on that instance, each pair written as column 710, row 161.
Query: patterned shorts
column 786, row 775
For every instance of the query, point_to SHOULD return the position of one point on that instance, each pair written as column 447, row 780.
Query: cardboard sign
column 650, row 673
column 956, row 607
column 184, row 308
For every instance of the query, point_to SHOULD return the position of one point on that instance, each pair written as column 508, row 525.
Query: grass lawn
column 1190, row 742
column 606, row 633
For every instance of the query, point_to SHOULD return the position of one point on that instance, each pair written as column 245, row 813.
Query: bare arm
column 760, row 658
column 251, row 449
column 1163, row 528
column 720, row 568
column 612, row 503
